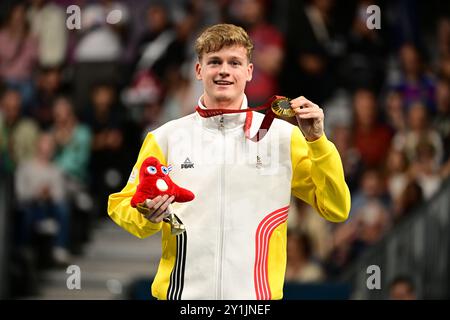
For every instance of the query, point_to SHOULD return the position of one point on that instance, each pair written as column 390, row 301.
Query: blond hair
column 218, row 36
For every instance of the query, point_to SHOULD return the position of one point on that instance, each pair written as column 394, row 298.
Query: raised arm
column 318, row 175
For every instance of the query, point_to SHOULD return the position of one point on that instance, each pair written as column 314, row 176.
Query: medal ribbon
column 265, row 125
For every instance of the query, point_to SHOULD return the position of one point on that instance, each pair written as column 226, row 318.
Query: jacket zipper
column 221, row 211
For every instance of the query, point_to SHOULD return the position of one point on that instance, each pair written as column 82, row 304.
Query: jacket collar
column 230, row 121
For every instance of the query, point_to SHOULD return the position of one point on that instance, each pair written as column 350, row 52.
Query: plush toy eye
column 151, row 169
column 164, row 170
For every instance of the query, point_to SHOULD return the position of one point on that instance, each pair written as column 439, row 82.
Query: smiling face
column 224, row 74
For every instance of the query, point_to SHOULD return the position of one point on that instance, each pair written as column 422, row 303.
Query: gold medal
column 282, row 107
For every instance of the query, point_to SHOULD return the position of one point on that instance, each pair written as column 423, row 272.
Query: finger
column 304, row 104
column 161, row 217
column 162, row 212
column 311, row 115
column 149, row 216
column 299, row 110
column 160, row 202
column 151, row 202
column 156, row 212
column 299, row 104
column 305, row 107
column 314, row 109
column 164, row 206
column 156, row 217
column 308, row 110
column 301, row 101
column 171, row 199
column 316, row 113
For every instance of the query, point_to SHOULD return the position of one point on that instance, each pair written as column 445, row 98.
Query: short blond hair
column 216, row 37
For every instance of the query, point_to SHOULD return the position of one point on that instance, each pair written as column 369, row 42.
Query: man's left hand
column 309, row 117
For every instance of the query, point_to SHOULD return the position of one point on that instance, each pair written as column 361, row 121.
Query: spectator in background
column 409, row 199
column 445, row 170
column 370, row 210
column 99, row 49
column 402, row 288
column 107, row 156
column 402, row 22
column 441, row 121
column 415, row 84
column 444, row 36
column 48, row 87
column 369, row 223
column 313, row 49
column 443, row 45
column 268, row 51
column 18, row 54
column 162, row 57
column 418, row 130
column 48, row 25
column 18, row 134
column 396, row 173
column 395, row 111
column 40, row 190
column 152, row 63
column 364, row 64
column 343, row 249
column 151, row 118
column 371, row 136
column 373, row 222
column 371, row 190
column 99, row 41
column 208, row 13
column 425, row 170
column 144, row 93
column 117, row 16
column 343, row 139
column 444, row 67
column 179, row 89
column 304, row 219
column 301, row 266
column 73, row 141
column 153, row 46
column 178, row 99
column 72, row 156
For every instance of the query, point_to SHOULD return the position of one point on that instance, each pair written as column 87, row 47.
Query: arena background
column 78, row 99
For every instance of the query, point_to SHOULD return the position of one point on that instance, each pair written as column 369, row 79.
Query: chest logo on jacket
column 187, row 164
column 258, row 162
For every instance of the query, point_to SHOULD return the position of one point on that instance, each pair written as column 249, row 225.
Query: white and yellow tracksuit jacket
column 234, row 246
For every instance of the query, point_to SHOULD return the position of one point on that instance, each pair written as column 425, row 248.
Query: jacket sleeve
column 318, row 176
column 119, row 207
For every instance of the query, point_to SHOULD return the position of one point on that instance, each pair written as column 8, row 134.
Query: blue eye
column 164, row 170
column 151, row 169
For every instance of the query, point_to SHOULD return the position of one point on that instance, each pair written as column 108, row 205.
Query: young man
column 234, row 246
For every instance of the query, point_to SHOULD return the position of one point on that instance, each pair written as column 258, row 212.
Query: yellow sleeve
column 318, row 176
column 119, row 207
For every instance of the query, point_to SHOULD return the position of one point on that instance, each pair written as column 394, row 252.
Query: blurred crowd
column 76, row 104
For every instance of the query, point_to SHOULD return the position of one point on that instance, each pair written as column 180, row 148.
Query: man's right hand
column 155, row 210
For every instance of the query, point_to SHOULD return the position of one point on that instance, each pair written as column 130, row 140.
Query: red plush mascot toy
column 154, row 181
